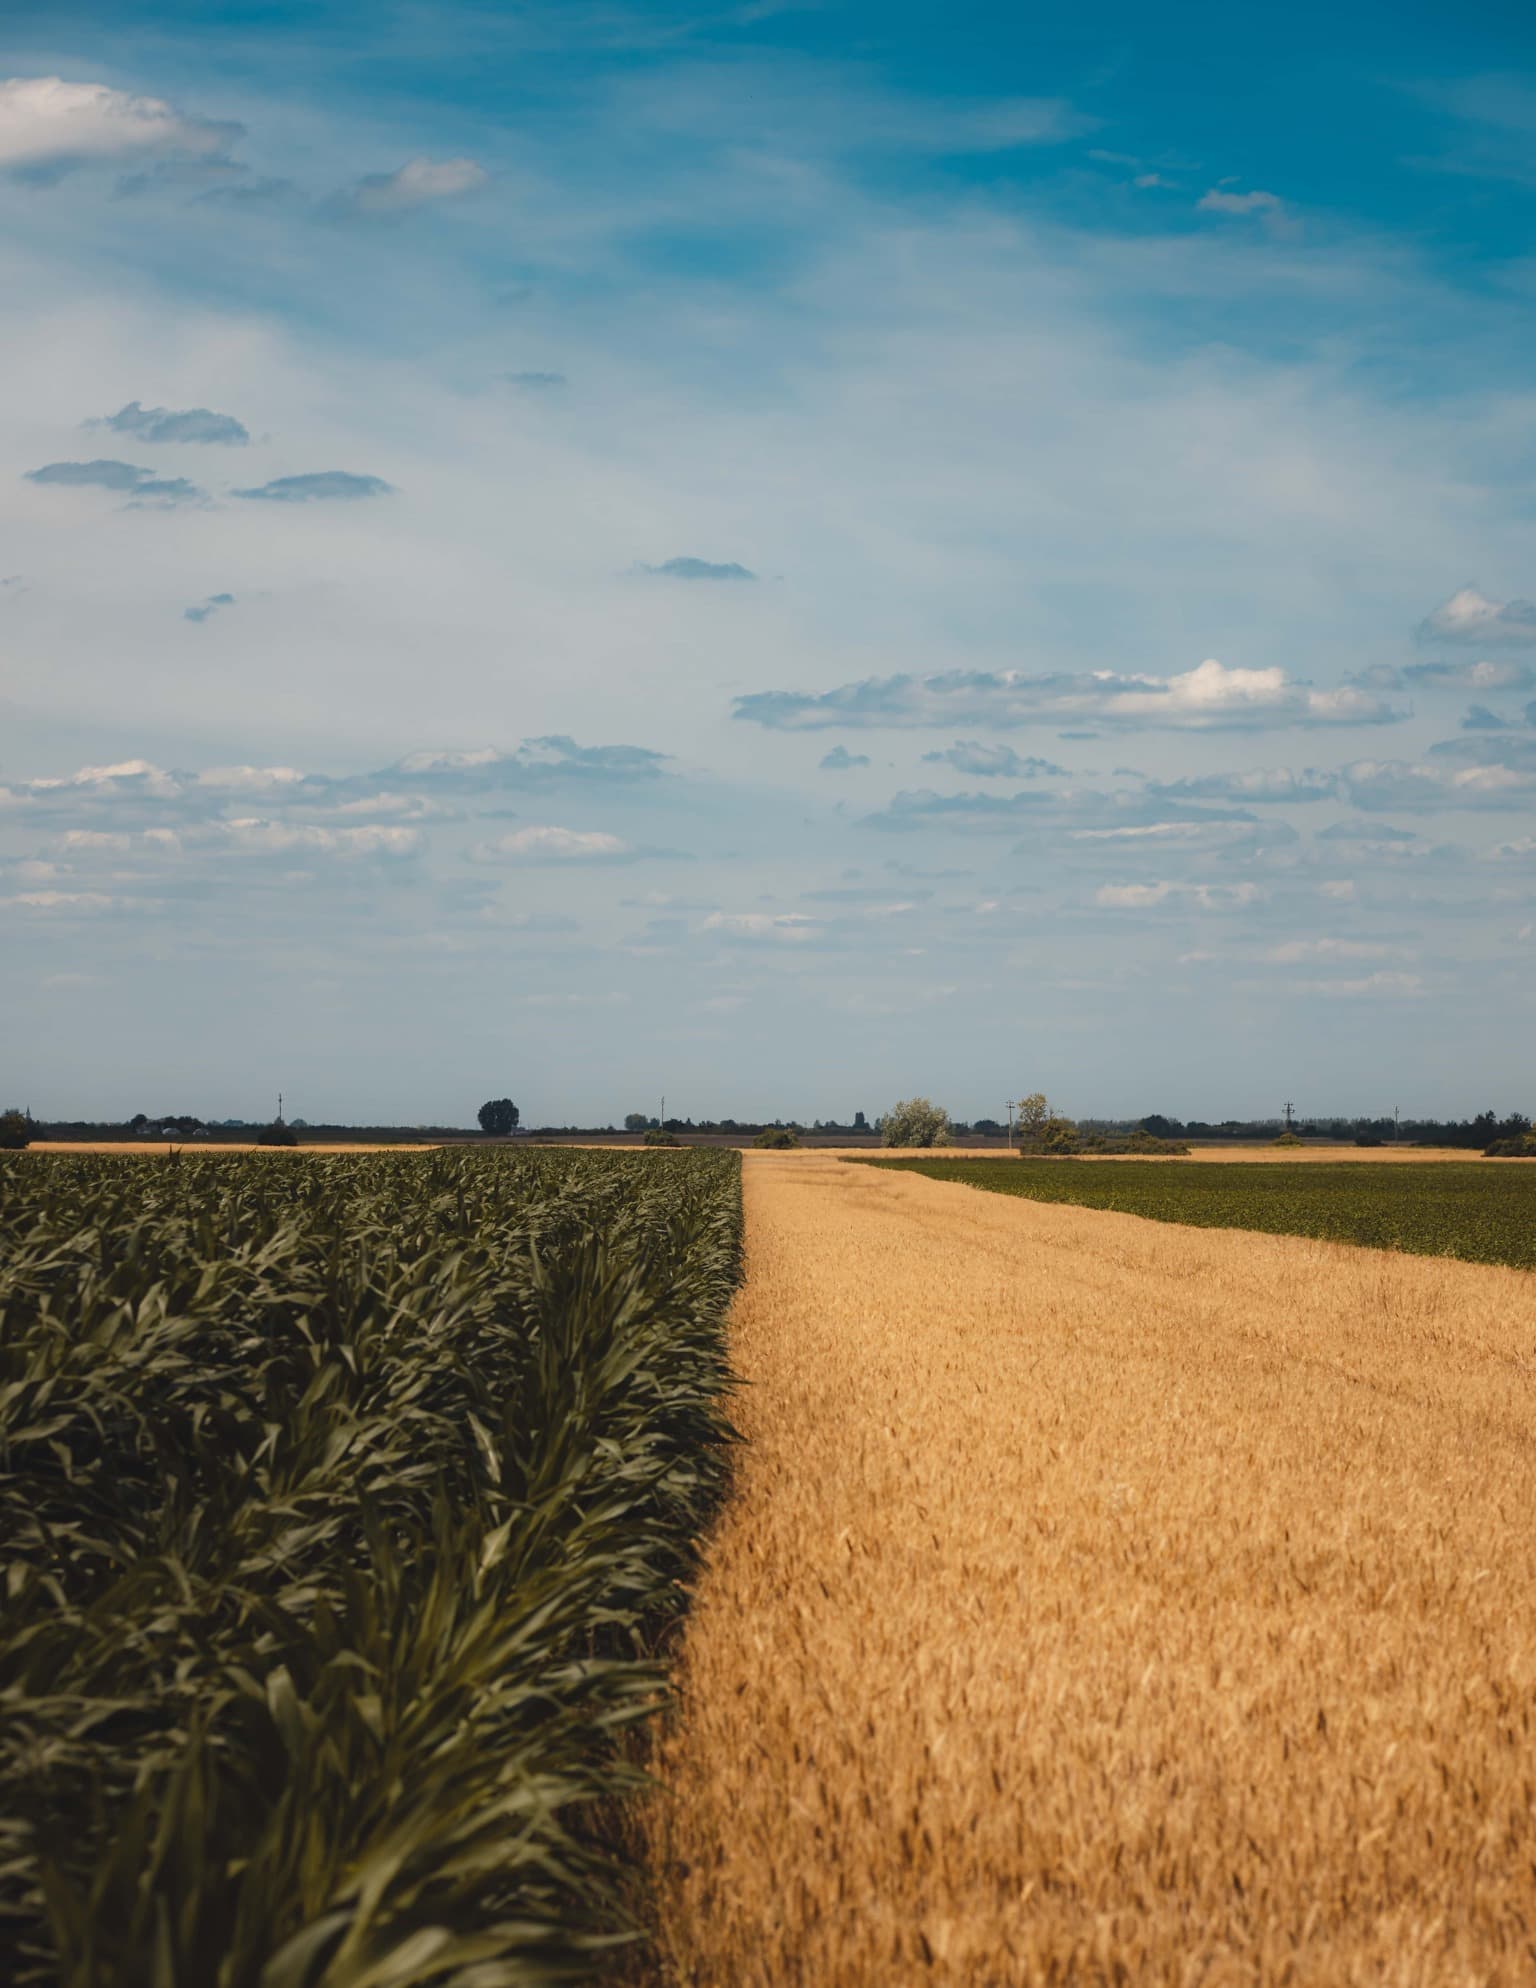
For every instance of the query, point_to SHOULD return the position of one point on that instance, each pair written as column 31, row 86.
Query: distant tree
column 860, row 1122
column 498, row 1118
column 1160, row 1127
column 137, row 1122
column 986, row 1125
column 15, row 1130
column 636, row 1121
column 1059, row 1135
column 777, row 1138
column 277, row 1134
column 915, row 1122
column 1033, row 1112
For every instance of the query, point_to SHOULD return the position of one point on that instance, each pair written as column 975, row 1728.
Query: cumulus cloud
column 418, row 183
column 700, row 569
column 209, row 605
column 1278, row 783
column 1387, row 985
column 1218, row 201
column 998, row 762
column 142, row 486
column 1365, row 831
column 1469, row 616
column 540, row 761
column 841, row 760
column 1294, row 952
column 318, row 487
column 791, row 928
column 48, row 126
column 280, row 838
column 168, row 424
column 1483, row 675
column 1398, row 786
column 1210, row 697
column 1204, row 897
column 542, row 844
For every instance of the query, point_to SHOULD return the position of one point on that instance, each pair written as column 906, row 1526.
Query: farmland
column 1106, row 1602
column 345, row 1504
column 1483, row 1212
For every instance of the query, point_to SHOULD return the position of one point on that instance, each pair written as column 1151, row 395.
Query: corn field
column 345, row 1506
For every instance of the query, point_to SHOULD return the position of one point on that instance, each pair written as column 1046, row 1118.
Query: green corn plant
column 347, row 1505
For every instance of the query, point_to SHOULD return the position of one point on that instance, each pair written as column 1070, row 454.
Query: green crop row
column 1485, row 1214
column 345, row 1507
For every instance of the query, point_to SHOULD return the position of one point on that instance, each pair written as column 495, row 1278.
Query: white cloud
column 1294, row 951
column 417, row 183
column 250, row 779
column 45, row 121
column 783, row 928
column 1469, row 616
column 1257, row 202
column 1210, row 697
column 60, row 900
column 1206, row 897
column 283, row 838
column 1368, row 985
column 542, row 844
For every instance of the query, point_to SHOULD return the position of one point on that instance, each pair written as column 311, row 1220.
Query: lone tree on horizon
column 498, row 1118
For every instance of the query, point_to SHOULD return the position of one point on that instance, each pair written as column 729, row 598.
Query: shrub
column 659, row 1137
column 1367, row 1139
column 15, row 1131
column 1287, row 1139
column 1511, row 1149
column 777, row 1138
column 277, row 1134
column 1142, row 1141
column 1059, row 1136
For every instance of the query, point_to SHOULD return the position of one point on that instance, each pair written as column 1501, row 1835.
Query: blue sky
column 788, row 555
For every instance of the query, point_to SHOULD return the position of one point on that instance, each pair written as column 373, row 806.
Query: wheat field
column 1106, row 1602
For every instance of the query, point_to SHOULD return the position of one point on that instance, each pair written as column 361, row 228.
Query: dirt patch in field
column 1106, row 1603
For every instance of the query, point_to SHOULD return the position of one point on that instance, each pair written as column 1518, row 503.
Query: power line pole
column 1290, row 1119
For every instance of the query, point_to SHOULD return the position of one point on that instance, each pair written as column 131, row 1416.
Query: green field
column 1482, row 1213
column 345, row 1505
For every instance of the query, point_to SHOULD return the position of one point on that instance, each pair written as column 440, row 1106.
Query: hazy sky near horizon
column 785, row 555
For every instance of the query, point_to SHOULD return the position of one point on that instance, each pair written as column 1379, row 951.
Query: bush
column 277, row 1134
column 915, row 1122
column 1059, row 1136
column 1367, row 1139
column 15, row 1131
column 1142, row 1141
column 1287, row 1139
column 777, row 1138
column 657, row 1137
column 1511, row 1149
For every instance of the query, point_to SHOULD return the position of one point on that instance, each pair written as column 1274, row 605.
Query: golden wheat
column 1106, row 1602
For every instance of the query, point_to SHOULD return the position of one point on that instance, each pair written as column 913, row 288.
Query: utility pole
column 279, row 1107
column 1010, row 1108
column 662, row 1121
column 1290, row 1111
column 1395, row 1118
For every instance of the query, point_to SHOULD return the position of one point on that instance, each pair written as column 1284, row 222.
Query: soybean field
column 1482, row 1212
column 346, row 1505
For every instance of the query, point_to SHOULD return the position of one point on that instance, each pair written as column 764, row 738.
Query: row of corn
column 345, row 1507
